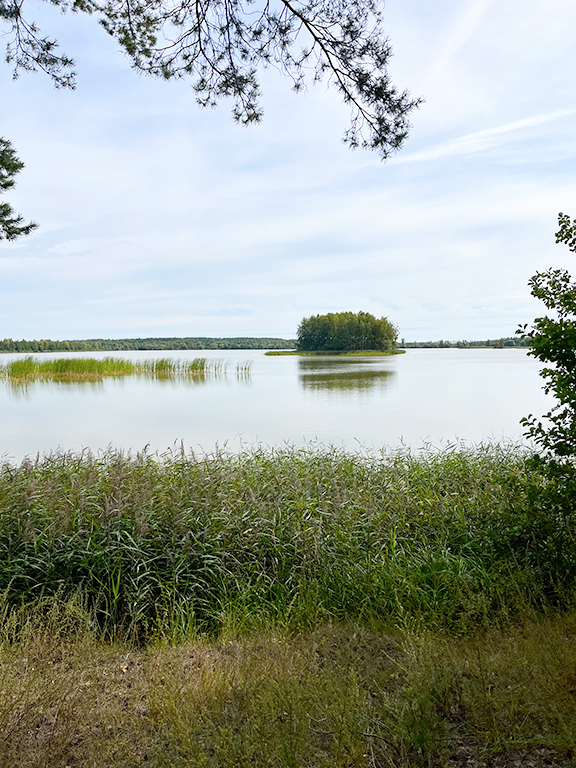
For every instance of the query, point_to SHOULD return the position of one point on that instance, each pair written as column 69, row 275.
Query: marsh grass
column 179, row 545
column 78, row 369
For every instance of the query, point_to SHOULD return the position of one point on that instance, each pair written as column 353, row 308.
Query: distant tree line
column 174, row 343
column 346, row 332
column 508, row 341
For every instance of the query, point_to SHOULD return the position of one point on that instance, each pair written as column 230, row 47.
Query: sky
column 159, row 218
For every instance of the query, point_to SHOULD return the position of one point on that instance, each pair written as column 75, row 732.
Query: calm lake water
column 427, row 396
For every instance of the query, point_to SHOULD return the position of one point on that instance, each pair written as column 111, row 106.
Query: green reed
column 181, row 544
column 30, row 369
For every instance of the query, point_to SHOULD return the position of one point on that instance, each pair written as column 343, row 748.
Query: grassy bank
column 285, row 608
column 29, row 369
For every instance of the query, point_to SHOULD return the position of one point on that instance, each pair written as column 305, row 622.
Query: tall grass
column 180, row 545
column 29, row 369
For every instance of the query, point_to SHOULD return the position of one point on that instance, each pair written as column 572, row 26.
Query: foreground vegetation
column 338, row 696
column 286, row 608
column 28, row 369
column 286, row 538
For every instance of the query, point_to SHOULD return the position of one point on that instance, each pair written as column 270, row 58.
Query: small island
column 345, row 333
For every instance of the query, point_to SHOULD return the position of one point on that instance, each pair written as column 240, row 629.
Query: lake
column 424, row 397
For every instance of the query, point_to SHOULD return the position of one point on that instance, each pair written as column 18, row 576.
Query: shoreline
column 336, row 353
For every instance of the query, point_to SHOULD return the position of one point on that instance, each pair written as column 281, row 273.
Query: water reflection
column 25, row 388
column 344, row 375
column 22, row 390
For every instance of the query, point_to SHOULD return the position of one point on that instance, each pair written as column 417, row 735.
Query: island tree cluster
column 346, row 332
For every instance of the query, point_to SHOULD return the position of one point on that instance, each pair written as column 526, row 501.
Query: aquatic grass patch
column 78, row 369
column 181, row 545
column 243, row 370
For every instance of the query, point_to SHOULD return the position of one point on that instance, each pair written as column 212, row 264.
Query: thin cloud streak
column 479, row 141
column 464, row 28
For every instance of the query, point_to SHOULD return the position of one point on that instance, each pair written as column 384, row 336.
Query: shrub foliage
column 553, row 341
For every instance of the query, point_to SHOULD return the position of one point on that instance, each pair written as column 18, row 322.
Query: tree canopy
column 346, row 332
column 11, row 224
column 222, row 45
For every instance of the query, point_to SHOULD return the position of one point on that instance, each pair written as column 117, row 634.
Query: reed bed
column 179, row 546
column 28, row 369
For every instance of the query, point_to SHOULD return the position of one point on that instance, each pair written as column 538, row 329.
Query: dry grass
column 336, row 697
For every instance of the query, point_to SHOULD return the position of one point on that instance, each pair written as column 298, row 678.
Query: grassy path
column 336, row 697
